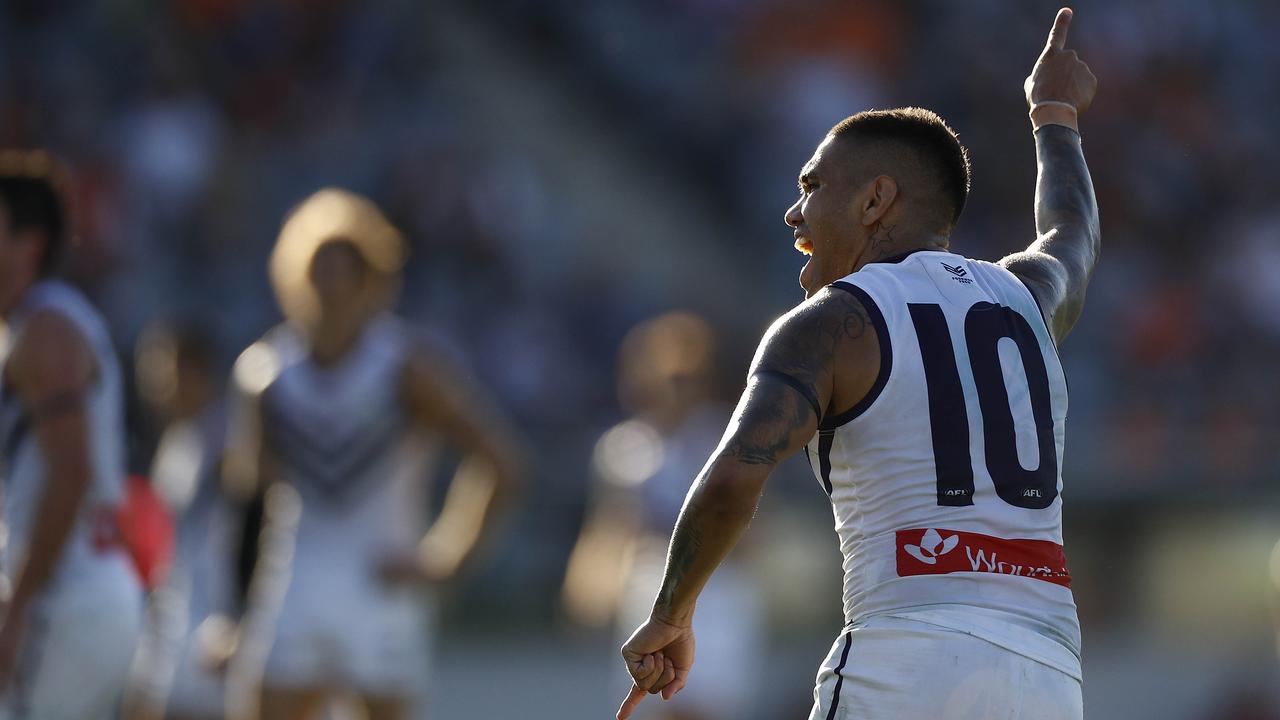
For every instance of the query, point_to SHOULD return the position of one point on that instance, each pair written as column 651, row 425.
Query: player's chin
column 808, row 278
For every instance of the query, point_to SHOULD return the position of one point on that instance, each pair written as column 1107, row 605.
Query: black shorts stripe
column 886, row 357
column 844, row 658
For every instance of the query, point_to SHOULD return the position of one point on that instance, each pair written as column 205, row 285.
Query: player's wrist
column 1054, row 112
column 680, row 617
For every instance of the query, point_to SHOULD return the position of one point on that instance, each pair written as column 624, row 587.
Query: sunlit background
column 565, row 170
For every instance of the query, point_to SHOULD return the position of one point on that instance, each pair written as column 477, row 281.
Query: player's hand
column 411, row 567
column 1059, row 75
column 659, row 656
column 217, row 638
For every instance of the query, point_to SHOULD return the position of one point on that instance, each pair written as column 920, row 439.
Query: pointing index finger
column 631, row 702
column 1058, row 35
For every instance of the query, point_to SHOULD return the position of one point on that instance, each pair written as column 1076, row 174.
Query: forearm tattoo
column 766, row 426
column 686, row 543
column 1064, row 190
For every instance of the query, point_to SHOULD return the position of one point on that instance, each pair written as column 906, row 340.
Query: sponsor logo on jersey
column 958, row 273
column 931, row 546
column 929, row 551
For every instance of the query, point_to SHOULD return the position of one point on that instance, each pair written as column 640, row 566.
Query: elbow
column 513, row 468
column 507, row 468
column 732, row 484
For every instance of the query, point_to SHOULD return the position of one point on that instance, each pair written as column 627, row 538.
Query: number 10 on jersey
column 985, row 325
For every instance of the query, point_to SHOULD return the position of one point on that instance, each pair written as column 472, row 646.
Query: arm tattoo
column 1064, row 190
column 686, row 542
column 775, row 408
column 856, row 319
column 774, row 418
column 809, row 353
column 763, row 427
column 1067, row 220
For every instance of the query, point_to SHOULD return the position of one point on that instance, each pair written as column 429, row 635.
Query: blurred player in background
column 926, row 390
column 643, row 466
column 341, row 411
column 175, row 674
column 72, row 603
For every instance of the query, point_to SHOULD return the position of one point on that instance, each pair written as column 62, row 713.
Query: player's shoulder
column 56, row 306
column 259, row 365
column 838, row 319
column 50, row 339
column 1043, row 274
column 826, row 309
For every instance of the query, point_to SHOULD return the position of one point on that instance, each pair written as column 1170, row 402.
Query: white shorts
column 75, row 657
column 330, row 630
column 170, row 672
column 908, row 670
column 375, row 646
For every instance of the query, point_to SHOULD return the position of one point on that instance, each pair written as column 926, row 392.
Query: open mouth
column 804, row 245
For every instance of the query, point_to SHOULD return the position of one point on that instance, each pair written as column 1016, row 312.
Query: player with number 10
column 925, row 389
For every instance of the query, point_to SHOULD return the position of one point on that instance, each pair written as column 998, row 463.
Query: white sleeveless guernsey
column 359, row 468
column 84, row 624
column 347, row 444
column 946, row 479
column 95, row 533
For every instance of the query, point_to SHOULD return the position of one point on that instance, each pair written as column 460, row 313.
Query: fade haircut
column 917, row 140
column 33, row 188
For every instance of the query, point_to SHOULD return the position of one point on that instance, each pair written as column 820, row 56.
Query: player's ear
column 881, row 193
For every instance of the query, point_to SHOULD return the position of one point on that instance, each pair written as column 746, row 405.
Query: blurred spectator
column 175, row 673
column 643, row 467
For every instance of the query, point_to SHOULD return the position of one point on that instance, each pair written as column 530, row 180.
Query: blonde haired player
column 926, row 390
column 341, row 410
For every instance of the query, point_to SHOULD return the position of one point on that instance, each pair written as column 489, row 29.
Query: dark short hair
column 32, row 188
column 934, row 143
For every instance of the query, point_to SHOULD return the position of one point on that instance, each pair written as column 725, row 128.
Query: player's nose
column 793, row 218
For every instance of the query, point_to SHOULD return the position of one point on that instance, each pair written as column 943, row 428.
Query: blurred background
column 566, row 170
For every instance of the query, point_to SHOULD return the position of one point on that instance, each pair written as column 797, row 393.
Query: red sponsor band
column 930, row 551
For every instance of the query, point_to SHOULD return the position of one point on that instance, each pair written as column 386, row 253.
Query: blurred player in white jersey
column 341, row 410
column 174, row 674
column 925, row 388
column 72, row 602
column 643, row 466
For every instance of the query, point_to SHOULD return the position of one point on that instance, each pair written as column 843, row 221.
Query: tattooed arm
column 792, row 381
column 773, row 420
column 1058, row 265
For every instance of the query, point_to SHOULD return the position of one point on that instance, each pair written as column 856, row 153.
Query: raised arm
column 792, row 381
column 1058, row 265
